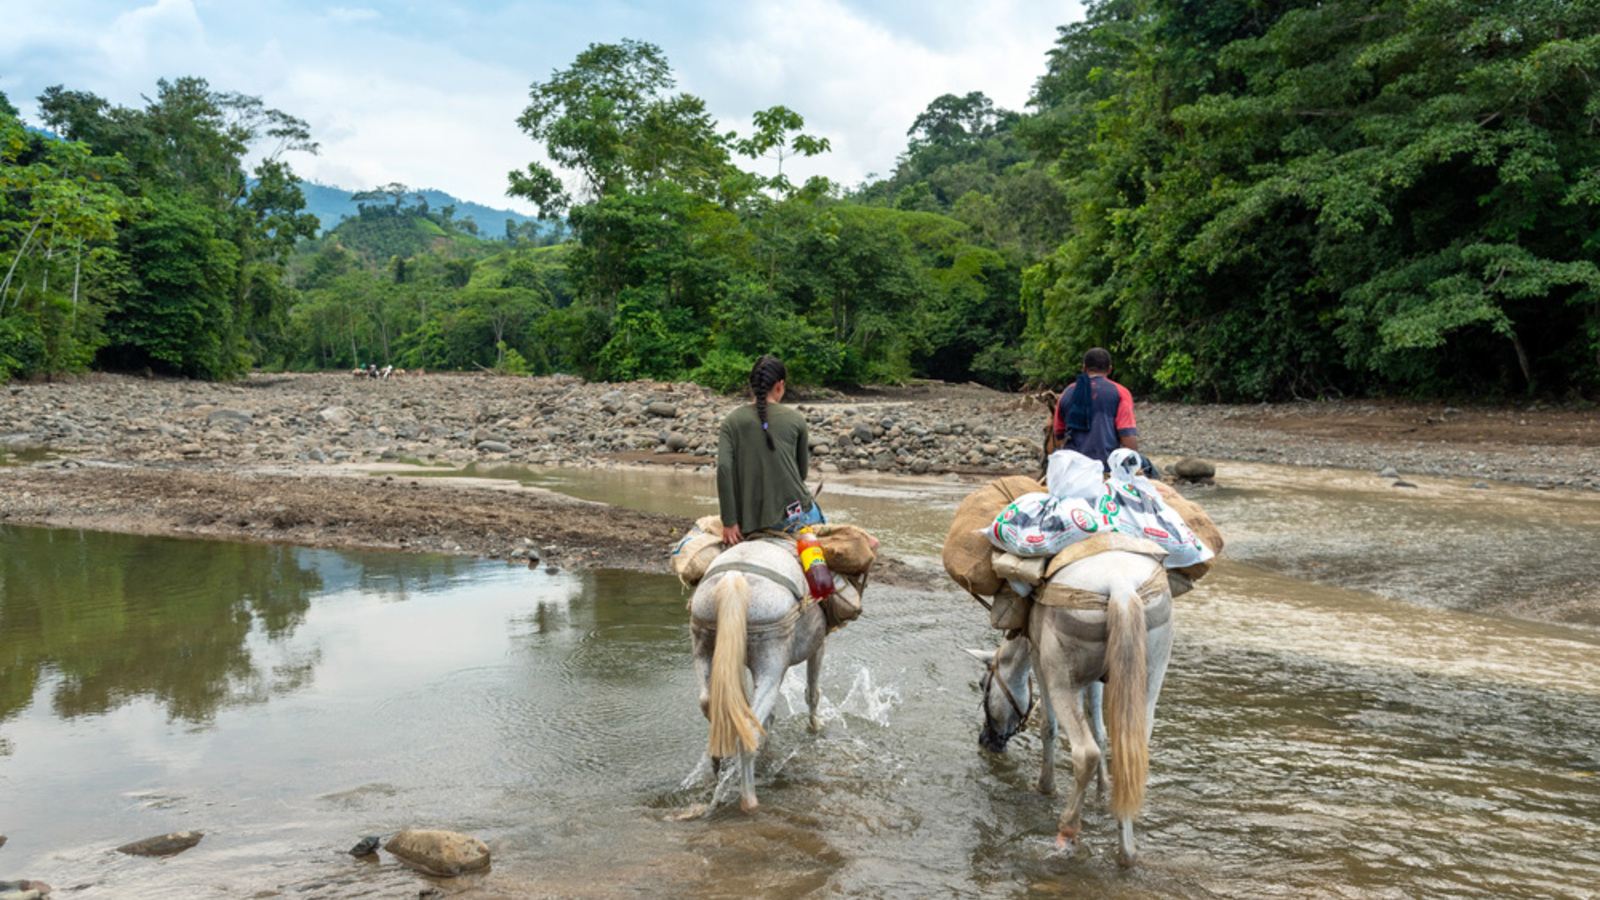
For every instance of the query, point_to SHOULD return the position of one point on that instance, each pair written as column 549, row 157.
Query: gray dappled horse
column 747, row 614
column 1126, row 641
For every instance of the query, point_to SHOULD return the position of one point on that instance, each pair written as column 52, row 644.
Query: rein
column 1033, row 697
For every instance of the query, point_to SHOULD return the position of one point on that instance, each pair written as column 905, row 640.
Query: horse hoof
column 1126, row 859
column 748, row 804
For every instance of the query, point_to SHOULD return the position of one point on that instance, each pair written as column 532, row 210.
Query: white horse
column 747, row 614
column 1124, row 639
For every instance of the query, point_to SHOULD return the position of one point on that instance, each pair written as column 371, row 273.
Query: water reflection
column 116, row 617
column 17, row 455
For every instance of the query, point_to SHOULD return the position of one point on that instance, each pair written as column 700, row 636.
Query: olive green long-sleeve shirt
column 756, row 487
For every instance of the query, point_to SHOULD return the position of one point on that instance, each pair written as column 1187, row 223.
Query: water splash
column 864, row 699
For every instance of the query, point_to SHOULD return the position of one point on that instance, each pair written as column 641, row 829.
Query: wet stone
column 443, row 853
column 162, row 845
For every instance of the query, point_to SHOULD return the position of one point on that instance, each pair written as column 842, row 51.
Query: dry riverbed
column 290, row 458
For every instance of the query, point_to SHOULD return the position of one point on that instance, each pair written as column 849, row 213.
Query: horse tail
column 733, row 722
column 1126, row 703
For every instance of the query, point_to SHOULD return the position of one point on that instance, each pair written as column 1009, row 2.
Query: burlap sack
column 694, row 553
column 848, row 549
column 1011, row 567
column 1009, row 610
column 1199, row 522
column 841, row 607
column 967, row 551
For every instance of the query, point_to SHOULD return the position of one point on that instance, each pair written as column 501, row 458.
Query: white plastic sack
column 1069, row 473
column 1132, row 506
column 1040, row 524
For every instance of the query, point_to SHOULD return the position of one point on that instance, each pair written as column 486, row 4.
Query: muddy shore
column 291, row 458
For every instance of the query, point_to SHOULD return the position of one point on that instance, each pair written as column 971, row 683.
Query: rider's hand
column 731, row 535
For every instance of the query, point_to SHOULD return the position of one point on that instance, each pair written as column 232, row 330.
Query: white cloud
column 345, row 16
column 147, row 38
column 862, row 82
column 428, row 95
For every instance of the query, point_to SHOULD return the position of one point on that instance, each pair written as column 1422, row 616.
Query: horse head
column 1007, row 692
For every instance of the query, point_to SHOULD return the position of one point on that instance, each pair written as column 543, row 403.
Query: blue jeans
column 798, row 520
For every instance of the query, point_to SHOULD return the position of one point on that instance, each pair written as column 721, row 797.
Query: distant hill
column 329, row 204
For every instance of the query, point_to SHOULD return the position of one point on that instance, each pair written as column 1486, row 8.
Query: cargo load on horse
column 1009, row 536
column 849, row 552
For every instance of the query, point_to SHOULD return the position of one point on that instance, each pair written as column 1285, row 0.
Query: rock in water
column 439, row 852
column 23, row 890
column 367, row 846
column 1194, row 469
column 163, row 845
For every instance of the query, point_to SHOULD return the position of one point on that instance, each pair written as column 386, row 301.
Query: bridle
column 1005, row 689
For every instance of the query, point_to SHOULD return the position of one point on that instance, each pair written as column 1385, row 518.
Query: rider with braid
column 762, row 455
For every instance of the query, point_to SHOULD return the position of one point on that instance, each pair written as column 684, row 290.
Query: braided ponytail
column 768, row 371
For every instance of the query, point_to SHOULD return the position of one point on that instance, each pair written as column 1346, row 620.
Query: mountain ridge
column 331, row 203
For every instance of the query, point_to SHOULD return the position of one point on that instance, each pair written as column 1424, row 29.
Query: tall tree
column 185, row 154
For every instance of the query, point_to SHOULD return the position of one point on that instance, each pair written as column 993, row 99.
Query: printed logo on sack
column 1082, row 520
column 1034, row 539
column 1157, row 533
column 1109, row 506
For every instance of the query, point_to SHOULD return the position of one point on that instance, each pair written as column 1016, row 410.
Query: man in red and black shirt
column 1094, row 415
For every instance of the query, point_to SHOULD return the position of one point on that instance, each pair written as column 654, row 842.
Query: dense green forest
column 1241, row 199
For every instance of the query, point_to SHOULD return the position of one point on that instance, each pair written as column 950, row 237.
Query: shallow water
column 1349, row 729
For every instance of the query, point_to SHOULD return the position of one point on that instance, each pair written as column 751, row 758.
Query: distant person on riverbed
column 763, row 452
column 1094, row 415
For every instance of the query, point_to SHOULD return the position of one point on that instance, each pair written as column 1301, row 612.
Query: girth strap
column 722, row 564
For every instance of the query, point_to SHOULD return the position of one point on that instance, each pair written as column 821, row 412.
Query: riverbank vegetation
column 1243, row 200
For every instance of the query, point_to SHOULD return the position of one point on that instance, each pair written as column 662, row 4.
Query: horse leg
column 1047, row 732
column 1093, row 697
column 814, row 687
column 1086, row 764
column 1066, row 704
column 768, row 661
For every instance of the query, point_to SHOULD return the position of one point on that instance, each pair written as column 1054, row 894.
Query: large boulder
column 1192, row 469
column 444, row 853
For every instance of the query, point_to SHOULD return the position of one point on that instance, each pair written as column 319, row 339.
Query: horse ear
column 984, row 656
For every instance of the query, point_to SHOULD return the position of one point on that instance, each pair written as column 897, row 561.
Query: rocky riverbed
column 261, row 459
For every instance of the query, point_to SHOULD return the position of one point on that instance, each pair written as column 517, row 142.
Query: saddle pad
column 722, row 564
column 1060, row 595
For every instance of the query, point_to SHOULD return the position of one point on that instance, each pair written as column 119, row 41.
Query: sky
column 427, row 93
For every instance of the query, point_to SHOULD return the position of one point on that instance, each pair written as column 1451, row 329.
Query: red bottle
column 819, row 578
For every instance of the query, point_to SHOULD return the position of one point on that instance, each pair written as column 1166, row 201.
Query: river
column 1349, row 713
